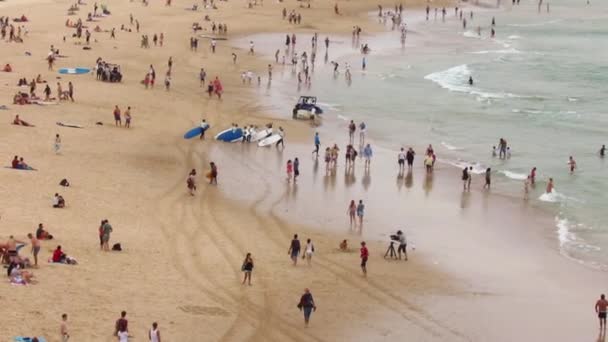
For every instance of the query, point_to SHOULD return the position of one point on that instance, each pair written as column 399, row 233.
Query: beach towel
column 68, row 125
column 17, row 281
column 10, row 167
column 28, row 339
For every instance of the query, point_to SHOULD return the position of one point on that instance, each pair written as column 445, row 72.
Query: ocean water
column 540, row 83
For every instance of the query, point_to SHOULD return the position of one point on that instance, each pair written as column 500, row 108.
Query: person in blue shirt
column 317, row 144
column 367, row 154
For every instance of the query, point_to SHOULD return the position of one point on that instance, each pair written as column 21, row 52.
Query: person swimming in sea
column 470, row 80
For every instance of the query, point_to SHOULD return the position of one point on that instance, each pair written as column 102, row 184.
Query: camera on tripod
column 390, row 252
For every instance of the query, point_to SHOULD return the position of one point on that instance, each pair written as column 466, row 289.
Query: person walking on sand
column 367, row 154
column 571, row 164
column 212, row 174
column 294, row 249
column 128, row 118
column 57, row 145
column 191, row 182
column 71, row 91
column 35, row 248
column 308, row 251
column 122, row 324
column 362, row 130
column 360, row 212
column 117, row 119
column 307, row 304
column 401, row 160
column 364, row 256
column 317, row 144
column 601, row 307
column 488, row 180
column 289, row 170
column 247, row 268
column 63, row 328
column 410, row 158
column 296, row 169
column 352, row 212
column 105, row 238
column 154, row 333
column 351, row 131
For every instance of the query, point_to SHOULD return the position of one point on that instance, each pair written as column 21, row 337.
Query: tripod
column 390, row 251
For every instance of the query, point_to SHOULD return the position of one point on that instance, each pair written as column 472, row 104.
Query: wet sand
column 182, row 255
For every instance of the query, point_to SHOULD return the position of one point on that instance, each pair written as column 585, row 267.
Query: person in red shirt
column 15, row 163
column 58, row 255
column 364, row 256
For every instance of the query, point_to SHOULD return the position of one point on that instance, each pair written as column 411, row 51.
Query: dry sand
column 182, row 255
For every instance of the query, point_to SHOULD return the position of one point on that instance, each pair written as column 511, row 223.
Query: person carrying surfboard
column 204, row 126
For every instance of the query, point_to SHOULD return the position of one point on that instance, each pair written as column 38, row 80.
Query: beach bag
column 64, row 182
column 117, row 247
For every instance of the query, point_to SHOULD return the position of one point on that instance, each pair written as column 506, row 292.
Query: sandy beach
column 482, row 270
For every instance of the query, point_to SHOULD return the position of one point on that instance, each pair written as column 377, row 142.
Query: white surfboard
column 263, row 134
column 270, row 140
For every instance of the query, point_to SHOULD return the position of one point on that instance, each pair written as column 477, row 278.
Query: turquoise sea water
column 541, row 84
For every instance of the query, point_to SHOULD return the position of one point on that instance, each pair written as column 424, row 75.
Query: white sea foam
column 471, row 34
column 450, row 147
column 564, row 234
column 461, row 164
column 514, row 175
column 513, row 37
column 536, row 24
column 511, row 51
column 457, row 78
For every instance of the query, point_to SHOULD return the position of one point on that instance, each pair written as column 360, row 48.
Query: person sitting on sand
column 42, row 234
column 39, row 79
column 15, row 163
column 58, row 255
column 58, row 201
column 18, row 275
column 344, row 246
column 21, row 165
column 7, row 68
column 18, row 121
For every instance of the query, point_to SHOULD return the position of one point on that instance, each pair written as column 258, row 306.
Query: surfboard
column 195, row 132
column 74, row 71
column 230, row 135
column 261, row 134
column 28, row 339
column 270, row 140
column 69, row 125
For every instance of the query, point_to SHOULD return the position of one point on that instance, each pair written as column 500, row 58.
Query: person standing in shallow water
column 488, row 180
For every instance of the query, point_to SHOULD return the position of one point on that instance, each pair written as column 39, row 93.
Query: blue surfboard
column 230, row 135
column 28, row 339
column 195, row 132
column 74, row 71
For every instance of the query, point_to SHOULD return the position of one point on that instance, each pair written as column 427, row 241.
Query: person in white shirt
column 154, row 333
column 308, row 251
column 401, row 160
column 362, row 129
column 57, row 143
